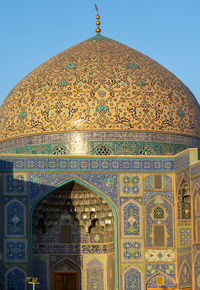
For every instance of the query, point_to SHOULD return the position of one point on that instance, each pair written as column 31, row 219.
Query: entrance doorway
column 65, row 281
column 71, row 222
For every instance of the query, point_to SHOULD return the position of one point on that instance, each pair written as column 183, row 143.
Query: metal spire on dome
column 98, row 30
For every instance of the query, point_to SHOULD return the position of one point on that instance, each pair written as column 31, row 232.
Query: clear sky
column 33, row 31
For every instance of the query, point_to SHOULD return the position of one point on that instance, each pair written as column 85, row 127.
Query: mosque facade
column 99, row 174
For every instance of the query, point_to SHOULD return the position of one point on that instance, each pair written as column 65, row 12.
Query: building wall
column 140, row 201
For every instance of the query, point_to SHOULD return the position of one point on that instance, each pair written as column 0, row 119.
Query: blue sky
column 33, row 31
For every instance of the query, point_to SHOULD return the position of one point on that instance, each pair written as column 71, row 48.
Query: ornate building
column 100, row 178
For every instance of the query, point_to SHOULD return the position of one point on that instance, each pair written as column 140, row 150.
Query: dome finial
column 98, row 30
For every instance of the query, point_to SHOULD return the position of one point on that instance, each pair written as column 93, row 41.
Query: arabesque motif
column 96, row 85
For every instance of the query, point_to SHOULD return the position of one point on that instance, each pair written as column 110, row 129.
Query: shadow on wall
column 64, row 224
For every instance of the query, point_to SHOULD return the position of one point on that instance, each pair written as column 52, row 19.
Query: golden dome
column 99, row 84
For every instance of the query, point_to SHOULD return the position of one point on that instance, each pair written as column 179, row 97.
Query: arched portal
column 75, row 223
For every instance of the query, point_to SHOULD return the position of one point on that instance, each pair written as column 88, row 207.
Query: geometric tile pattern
column 151, row 222
column 95, row 278
column 182, row 161
column 185, row 277
column 15, row 251
column 130, row 185
column 43, row 182
column 131, row 217
column 40, row 271
column 131, row 250
column 14, row 183
column 126, row 199
column 132, row 279
column 45, row 143
column 158, row 213
column 133, row 97
column 149, row 183
column 77, row 164
column 15, row 279
column 196, row 207
column 153, row 268
column 92, row 148
column 197, row 272
column 166, row 194
column 184, row 236
column 167, row 182
column 153, row 282
column 15, row 215
column 160, row 255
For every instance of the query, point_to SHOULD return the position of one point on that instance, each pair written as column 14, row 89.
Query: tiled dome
column 99, row 84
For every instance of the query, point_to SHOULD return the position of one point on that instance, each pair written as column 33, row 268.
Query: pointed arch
column 197, row 270
column 196, row 195
column 197, row 205
column 184, row 200
column 85, row 184
column 159, row 232
column 66, row 261
column 68, row 265
column 103, row 149
column 196, row 212
column 15, row 278
column 185, row 273
column 132, row 276
column 196, row 255
column 95, row 274
column 183, row 180
column 196, row 189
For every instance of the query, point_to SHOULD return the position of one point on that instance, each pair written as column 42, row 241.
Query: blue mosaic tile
column 14, row 185
column 40, row 271
column 16, row 279
column 132, row 280
column 39, row 183
column 154, row 268
column 149, row 183
column 125, row 199
column 168, row 283
column 195, row 169
column 130, row 185
column 197, row 272
column 132, row 250
column 87, row 164
column 7, row 199
column 167, row 182
column 182, row 161
column 150, row 221
column 95, row 275
column 166, row 194
column 15, row 216
column 185, row 277
column 131, row 213
column 184, row 236
column 15, row 251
